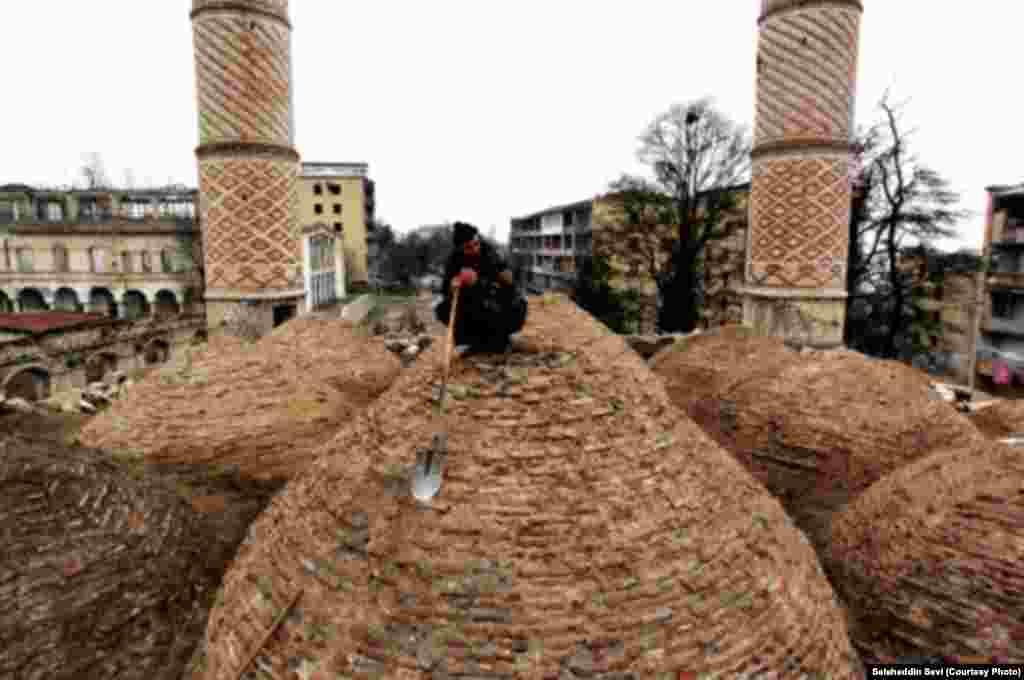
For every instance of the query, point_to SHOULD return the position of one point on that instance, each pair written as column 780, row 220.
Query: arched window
column 25, row 263
column 166, row 262
column 147, row 262
column 126, row 262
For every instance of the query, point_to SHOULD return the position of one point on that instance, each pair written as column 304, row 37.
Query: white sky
column 482, row 111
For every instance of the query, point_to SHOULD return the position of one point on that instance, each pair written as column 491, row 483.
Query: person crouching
column 490, row 307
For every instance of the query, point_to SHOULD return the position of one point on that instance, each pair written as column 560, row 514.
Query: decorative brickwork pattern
column 242, row 78
column 249, row 216
column 800, row 217
column 807, row 68
column 279, row 7
column 606, row 539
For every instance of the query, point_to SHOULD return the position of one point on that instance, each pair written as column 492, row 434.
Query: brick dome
column 931, row 558
column 584, row 526
column 99, row 572
column 1002, row 419
column 263, row 407
column 817, row 428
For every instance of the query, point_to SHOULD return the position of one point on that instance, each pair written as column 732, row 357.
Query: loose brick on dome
column 100, row 573
column 262, row 407
column 931, row 558
column 584, row 527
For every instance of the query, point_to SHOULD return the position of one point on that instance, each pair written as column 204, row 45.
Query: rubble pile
column 404, row 334
column 261, row 408
column 816, row 427
column 100, row 573
column 605, row 537
column 931, row 558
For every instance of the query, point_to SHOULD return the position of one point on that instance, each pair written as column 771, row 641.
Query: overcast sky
column 482, row 111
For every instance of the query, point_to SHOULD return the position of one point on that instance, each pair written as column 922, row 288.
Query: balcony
column 1006, row 280
column 1005, row 326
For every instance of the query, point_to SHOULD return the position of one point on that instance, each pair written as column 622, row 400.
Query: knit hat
column 463, row 233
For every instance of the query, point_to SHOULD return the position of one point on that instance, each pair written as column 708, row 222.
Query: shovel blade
column 426, row 482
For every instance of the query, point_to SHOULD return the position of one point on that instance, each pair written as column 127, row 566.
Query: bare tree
column 94, row 171
column 697, row 156
column 899, row 202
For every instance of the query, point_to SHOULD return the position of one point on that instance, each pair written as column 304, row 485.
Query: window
column 166, row 263
column 317, row 190
column 126, row 262
column 54, row 211
column 25, row 264
column 1002, row 306
column 8, row 212
column 147, row 262
column 337, row 208
column 135, row 210
column 335, row 189
column 60, row 259
column 318, row 209
column 337, row 227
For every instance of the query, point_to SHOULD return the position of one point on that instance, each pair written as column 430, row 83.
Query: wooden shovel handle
column 450, row 340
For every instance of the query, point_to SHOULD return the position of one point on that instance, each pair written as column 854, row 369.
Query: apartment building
column 550, row 245
column 123, row 253
column 1002, row 331
column 341, row 196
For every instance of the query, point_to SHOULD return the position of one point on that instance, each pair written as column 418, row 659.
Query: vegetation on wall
column 619, row 309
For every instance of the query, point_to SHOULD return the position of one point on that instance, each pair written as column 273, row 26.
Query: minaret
column 248, row 192
column 801, row 169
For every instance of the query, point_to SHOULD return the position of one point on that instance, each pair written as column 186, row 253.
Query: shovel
column 426, row 481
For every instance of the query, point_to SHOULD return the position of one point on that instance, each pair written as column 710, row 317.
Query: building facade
column 551, row 246
column 1002, row 325
column 798, row 244
column 341, row 197
column 125, row 254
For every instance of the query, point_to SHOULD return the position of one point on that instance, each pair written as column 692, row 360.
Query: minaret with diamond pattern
column 248, row 168
column 801, row 170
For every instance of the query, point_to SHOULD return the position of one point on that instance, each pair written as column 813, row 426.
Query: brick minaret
column 801, row 182
column 248, row 195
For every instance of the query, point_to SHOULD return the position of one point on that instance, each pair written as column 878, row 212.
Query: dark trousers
column 487, row 315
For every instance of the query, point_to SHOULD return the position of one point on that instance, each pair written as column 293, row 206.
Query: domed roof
column 264, row 407
column 99, row 573
column 279, row 7
column 1002, row 419
column 584, row 524
column 818, row 427
column 933, row 555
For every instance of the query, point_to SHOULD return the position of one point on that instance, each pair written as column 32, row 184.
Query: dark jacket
column 487, row 268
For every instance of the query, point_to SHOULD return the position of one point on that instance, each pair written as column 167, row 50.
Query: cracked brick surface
column 262, row 408
column 931, row 558
column 585, row 528
column 816, row 428
column 1003, row 419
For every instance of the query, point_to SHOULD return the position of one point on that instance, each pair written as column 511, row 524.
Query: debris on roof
column 262, row 407
column 934, row 556
column 100, row 572
column 584, row 527
column 40, row 322
column 816, row 427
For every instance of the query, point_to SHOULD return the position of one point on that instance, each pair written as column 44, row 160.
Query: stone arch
column 6, row 306
column 66, row 300
column 31, row 300
column 101, row 301
column 99, row 365
column 157, row 351
column 136, row 306
column 166, row 304
column 31, row 383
